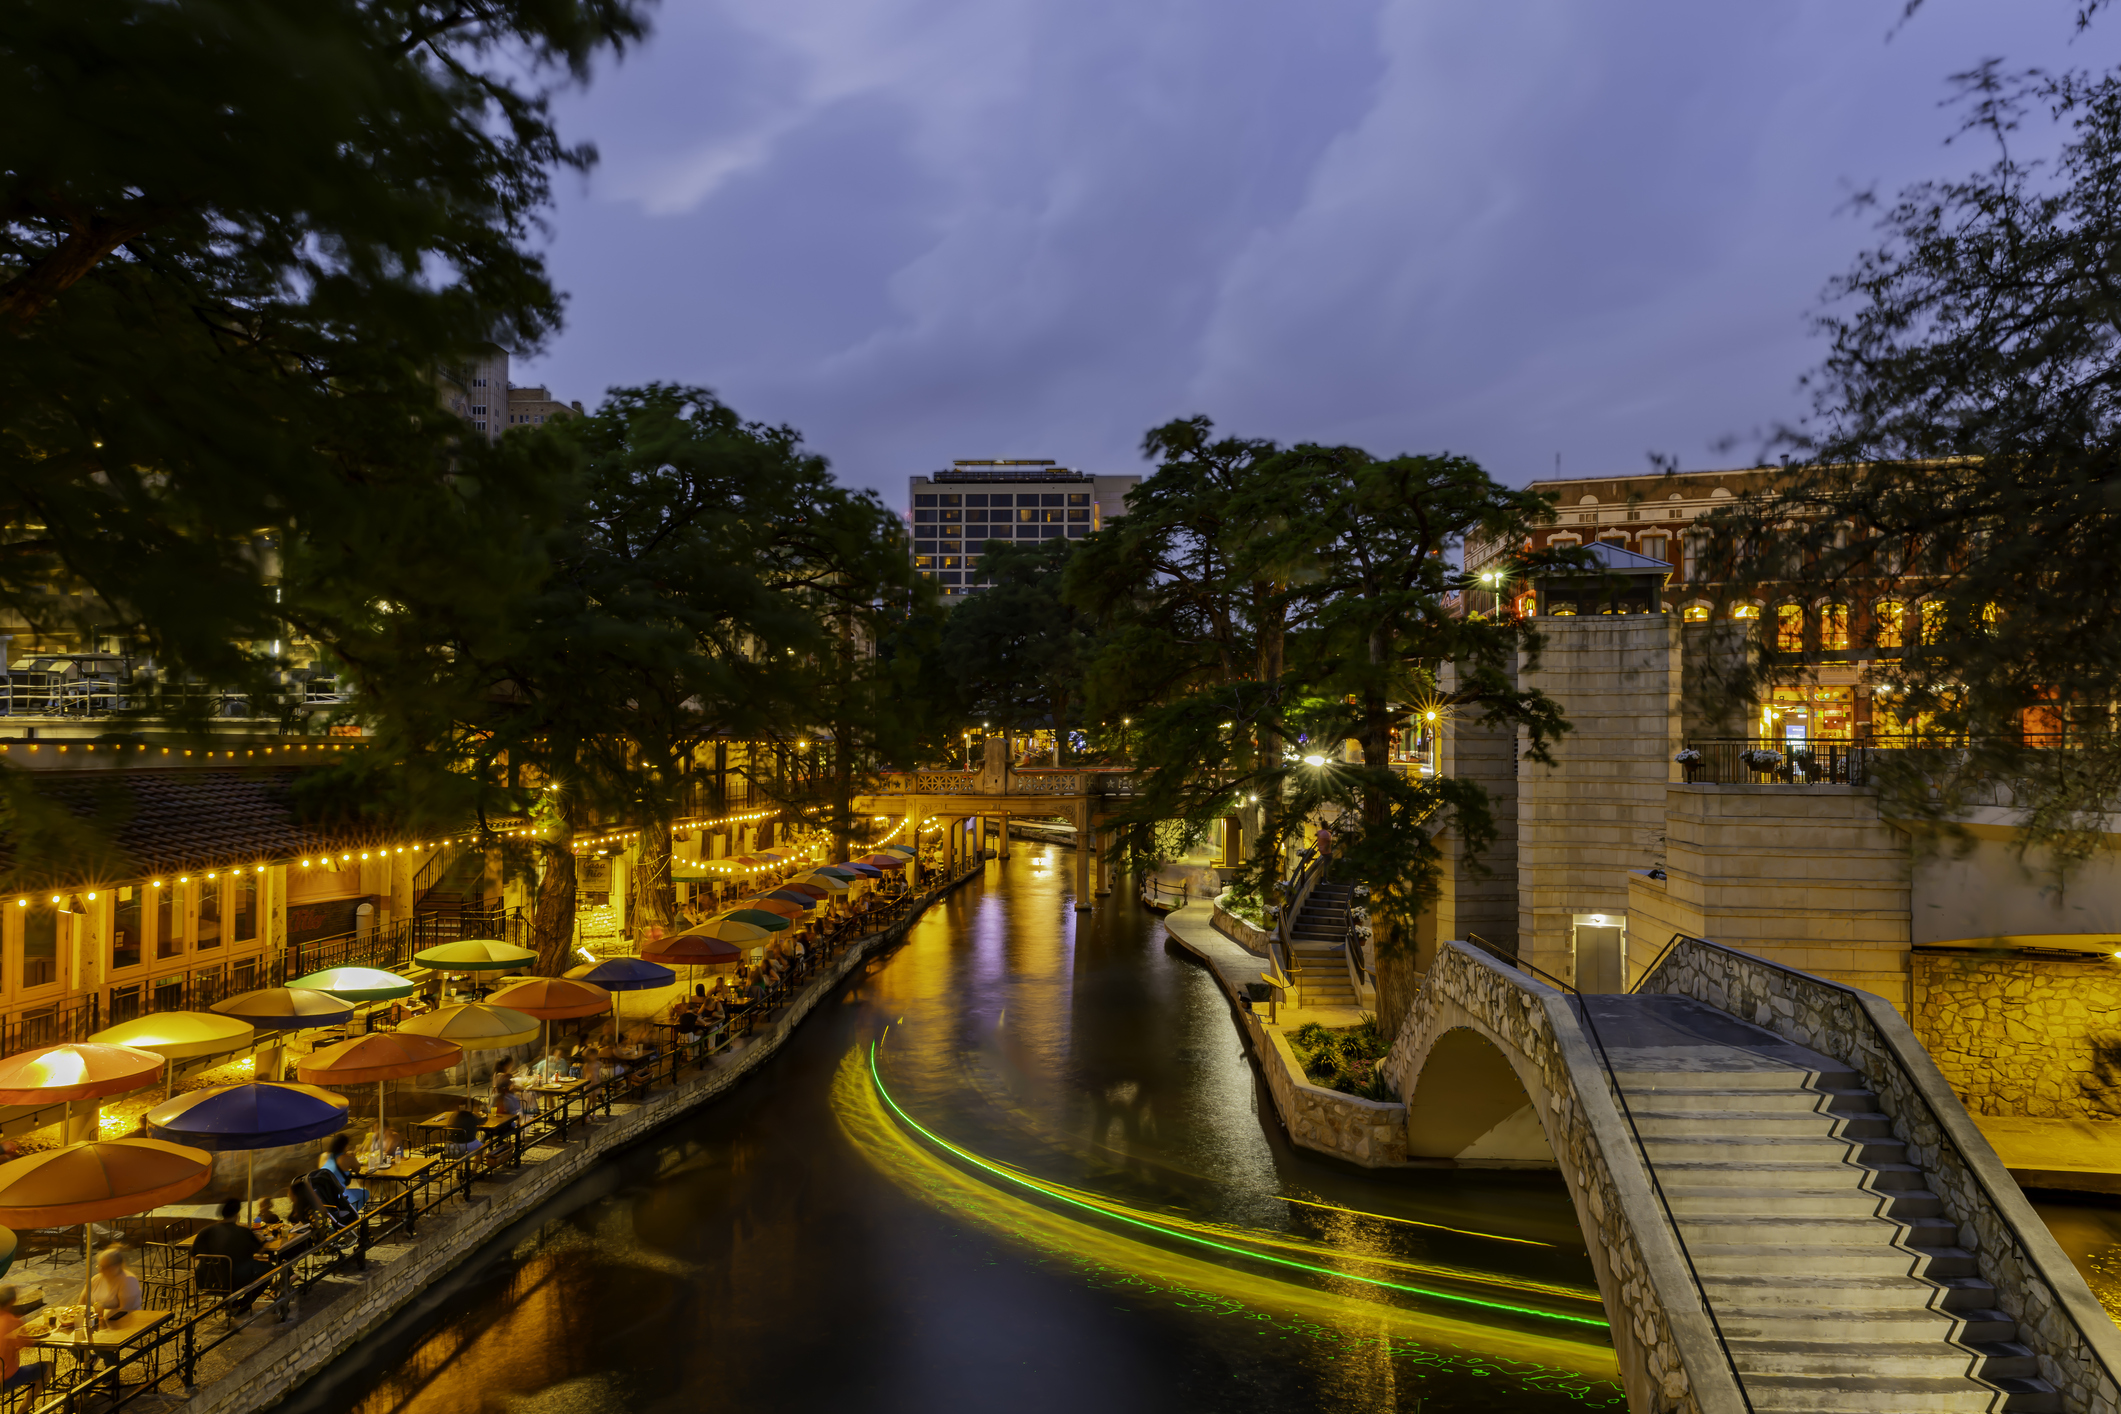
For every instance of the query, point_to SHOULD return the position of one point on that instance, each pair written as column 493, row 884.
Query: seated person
column 463, row 1134
column 384, row 1149
column 113, row 1291
column 505, row 1102
column 342, row 1167
column 15, row 1372
column 318, row 1198
column 229, row 1238
column 266, row 1216
column 553, row 1068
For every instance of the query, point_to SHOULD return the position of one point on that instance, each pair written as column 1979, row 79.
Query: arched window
column 1745, row 611
column 1933, row 620
column 1834, row 627
column 1696, row 613
column 1889, row 614
column 1789, row 627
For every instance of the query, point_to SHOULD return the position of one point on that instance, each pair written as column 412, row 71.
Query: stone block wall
column 2077, row 1345
column 1811, row 877
column 1477, row 896
column 1251, row 939
column 1366, row 1132
column 2024, row 1036
column 1599, row 811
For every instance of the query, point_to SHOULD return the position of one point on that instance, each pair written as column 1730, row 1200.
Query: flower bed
column 1343, row 1058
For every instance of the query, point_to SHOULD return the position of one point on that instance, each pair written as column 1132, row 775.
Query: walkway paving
column 1193, row 928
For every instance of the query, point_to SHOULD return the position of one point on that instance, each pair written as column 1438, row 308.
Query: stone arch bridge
column 1786, row 1206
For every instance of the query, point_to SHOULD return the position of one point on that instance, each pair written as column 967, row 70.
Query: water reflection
column 800, row 1246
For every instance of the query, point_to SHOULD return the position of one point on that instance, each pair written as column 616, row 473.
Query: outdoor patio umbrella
column 63, row 1074
column 759, row 918
column 287, row 1008
column 779, row 908
column 623, row 974
column 178, row 1035
column 905, row 850
column 473, row 955
column 698, row 948
column 476, row 1026
column 817, row 892
column 831, row 883
column 358, row 984
column 8, row 1244
column 378, row 1056
column 722, row 930
column 259, row 1115
column 795, row 897
column 867, row 871
column 104, row 1178
column 551, row 999
column 886, row 861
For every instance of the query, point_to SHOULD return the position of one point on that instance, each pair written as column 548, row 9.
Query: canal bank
column 800, row 1245
column 281, row 1356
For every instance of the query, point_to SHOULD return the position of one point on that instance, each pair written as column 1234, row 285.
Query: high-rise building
column 956, row 512
column 479, row 392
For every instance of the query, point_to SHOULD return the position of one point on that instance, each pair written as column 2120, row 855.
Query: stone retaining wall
column 2024, row 1036
column 267, row 1376
column 1366, row 1132
column 1670, row 1359
column 2078, row 1347
column 1251, row 939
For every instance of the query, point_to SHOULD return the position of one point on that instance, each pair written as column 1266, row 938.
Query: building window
column 923, row 547
column 924, row 501
column 1932, row 621
column 1834, row 628
column 1050, row 532
column 923, row 517
column 953, row 532
column 1656, row 547
column 1789, row 627
column 1696, row 568
column 1053, row 517
column 977, row 517
column 1696, row 613
column 1077, row 532
column 953, row 516
column 1027, row 498
column 976, row 501
column 40, row 947
column 125, row 926
column 1745, row 612
column 208, row 933
column 1078, row 498
column 169, row 920
column 243, row 908
column 952, row 577
column 1562, row 608
column 953, row 500
column 1888, row 614
column 951, row 562
column 1079, row 515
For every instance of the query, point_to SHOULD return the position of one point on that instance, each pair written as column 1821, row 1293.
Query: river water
column 1021, row 1162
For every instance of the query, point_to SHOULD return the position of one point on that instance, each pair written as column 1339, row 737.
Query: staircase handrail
column 1582, row 1008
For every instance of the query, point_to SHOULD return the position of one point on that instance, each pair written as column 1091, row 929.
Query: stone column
column 913, row 841
column 1084, row 848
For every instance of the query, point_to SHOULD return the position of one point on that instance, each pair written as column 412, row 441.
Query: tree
column 239, row 242
column 1963, row 463
column 1019, row 648
column 1196, row 592
column 1382, row 535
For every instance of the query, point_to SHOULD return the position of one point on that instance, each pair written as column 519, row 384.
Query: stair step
column 1921, row 1234
column 1886, row 1322
column 1853, row 1292
column 1919, row 1358
column 1887, row 1394
column 1794, row 1100
column 1799, row 1173
column 1651, row 1082
column 1761, row 1123
column 1799, row 1258
column 1770, row 1149
column 1709, row 1200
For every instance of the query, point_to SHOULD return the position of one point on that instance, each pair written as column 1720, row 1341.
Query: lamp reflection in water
column 1547, row 1337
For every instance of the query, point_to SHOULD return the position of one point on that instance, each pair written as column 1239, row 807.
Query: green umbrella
column 758, row 918
column 358, row 984
column 474, row 955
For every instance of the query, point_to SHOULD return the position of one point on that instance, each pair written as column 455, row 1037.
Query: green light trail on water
column 971, row 1158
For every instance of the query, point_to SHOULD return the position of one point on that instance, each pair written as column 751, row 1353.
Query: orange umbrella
column 553, row 998
column 103, row 1178
column 379, row 1056
column 77, row 1070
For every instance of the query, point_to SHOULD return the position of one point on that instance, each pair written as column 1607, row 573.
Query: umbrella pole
column 250, row 1185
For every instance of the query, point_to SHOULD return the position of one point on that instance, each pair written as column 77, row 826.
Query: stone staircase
column 1836, row 1281
column 1318, row 950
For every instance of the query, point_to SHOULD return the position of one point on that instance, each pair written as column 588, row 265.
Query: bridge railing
column 1021, row 780
column 1580, row 1006
column 2077, row 1344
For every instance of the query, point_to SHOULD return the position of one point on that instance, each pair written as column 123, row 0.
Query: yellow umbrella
column 179, row 1035
column 476, row 1026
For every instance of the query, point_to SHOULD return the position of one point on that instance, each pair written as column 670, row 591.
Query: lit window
column 1696, row 614
column 1932, row 621
column 1889, row 613
column 1834, row 628
column 1745, row 611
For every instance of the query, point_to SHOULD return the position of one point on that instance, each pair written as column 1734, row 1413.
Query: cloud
column 925, row 229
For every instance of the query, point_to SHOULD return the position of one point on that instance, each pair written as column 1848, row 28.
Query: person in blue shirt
column 345, row 1170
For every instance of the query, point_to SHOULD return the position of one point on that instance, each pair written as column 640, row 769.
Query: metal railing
column 1761, row 761
column 114, row 1378
column 1158, row 894
column 1580, row 1005
column 50, row 1025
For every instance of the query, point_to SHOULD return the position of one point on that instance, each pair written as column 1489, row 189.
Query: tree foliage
column 1964, row 459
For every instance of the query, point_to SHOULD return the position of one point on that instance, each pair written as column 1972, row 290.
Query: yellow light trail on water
column 1415, row 1222
column 1177, row 1228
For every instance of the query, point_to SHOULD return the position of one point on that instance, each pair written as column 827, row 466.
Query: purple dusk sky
column 928, row 229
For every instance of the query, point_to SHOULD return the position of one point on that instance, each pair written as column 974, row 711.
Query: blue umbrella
column 623, row 974
column 261, row 1115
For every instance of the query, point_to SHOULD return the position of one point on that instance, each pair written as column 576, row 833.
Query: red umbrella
column 885, row 861
column 692, row 950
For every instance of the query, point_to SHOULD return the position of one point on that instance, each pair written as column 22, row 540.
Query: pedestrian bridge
column 1786, row 1206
